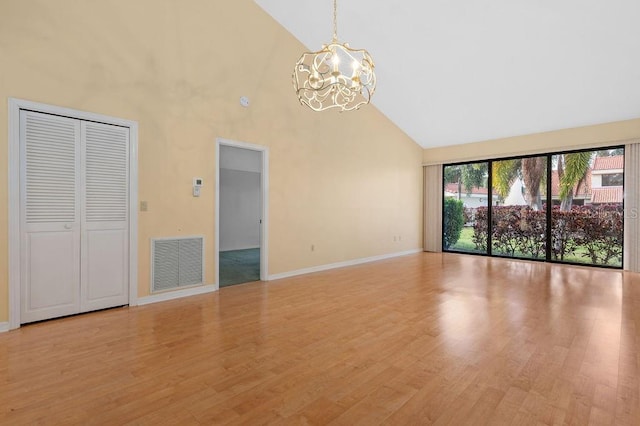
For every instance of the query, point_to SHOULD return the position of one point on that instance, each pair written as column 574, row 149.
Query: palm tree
column 532, row 171
column 503, row 174
column 572, row 172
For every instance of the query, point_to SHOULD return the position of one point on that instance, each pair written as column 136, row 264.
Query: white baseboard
column 177, row 294
column 4, row 326
column 341, row 264
column 192, row 291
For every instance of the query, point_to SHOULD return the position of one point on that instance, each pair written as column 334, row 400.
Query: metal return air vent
column 176, row 262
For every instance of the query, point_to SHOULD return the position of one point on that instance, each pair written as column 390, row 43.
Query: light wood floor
column 426, row 338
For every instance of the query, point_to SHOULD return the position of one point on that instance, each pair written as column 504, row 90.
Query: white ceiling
column 452, row 72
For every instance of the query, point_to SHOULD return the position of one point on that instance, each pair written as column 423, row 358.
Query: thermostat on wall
column 197, row 184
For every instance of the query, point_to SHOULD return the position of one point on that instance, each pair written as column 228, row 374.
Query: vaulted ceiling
column 452, row 72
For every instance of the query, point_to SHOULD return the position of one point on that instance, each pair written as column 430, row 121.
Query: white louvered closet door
column 50, row 216
column 74, row 216
column 105, row 225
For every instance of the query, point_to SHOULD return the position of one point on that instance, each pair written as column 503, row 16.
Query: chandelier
column 336, row 76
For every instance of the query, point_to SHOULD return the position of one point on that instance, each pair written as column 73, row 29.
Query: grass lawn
column 465, row 243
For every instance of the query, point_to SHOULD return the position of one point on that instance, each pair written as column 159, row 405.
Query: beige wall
column 576, row 138
column 346, row 183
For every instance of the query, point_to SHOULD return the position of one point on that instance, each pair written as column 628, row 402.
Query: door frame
column 264, row 189
column 15, row 105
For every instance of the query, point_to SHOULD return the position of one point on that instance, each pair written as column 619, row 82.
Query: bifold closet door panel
column 50, row 216
column 105, row 220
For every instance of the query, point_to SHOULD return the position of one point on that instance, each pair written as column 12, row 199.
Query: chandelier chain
column 335, row 20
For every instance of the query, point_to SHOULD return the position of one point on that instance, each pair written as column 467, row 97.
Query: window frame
column 610, row 175
column 548, row 199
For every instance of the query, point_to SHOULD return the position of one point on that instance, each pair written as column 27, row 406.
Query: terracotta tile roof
column 608, row 194
column 453, row 188
column 615, row 162
column 584, row 191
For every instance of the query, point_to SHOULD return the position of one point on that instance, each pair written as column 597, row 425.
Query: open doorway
column 241, row 200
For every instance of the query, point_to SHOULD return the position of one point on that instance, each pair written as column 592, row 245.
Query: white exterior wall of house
column 471, row 201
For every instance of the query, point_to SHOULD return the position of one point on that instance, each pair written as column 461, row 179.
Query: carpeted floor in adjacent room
column 239, row 266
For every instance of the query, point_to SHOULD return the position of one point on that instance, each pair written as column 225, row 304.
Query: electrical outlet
column 313, row 247
column 143, row 206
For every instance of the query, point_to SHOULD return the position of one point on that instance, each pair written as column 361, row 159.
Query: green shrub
column 453, row 222
column 590, row 232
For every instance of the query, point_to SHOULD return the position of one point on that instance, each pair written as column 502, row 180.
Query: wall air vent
column 176, row 262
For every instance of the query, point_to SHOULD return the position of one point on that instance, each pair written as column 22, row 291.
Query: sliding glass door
column 561, row 207
column 587, row 215
column 518, row 218
column 466, row 198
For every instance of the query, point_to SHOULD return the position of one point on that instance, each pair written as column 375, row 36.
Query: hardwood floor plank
column 508, row 407
column 422, row 339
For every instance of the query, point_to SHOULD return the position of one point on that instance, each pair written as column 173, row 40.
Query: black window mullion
column 489, row 206
column 442, row 210
column 549, row 206
column 624, row 161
